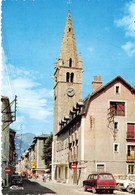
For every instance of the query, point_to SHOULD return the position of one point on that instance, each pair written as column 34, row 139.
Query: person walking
column 46, row 176
column 43, row 177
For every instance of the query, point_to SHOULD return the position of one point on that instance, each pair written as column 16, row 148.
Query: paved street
column 67, row 189
column 37, row 187
column 29, row 187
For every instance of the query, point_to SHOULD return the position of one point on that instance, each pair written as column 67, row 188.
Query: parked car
column 16, row 180
column 100, row 182
column 124, row 183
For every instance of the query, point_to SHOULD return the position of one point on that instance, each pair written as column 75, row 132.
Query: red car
column 100, row 182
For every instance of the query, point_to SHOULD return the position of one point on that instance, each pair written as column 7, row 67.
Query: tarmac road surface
column 38, row 187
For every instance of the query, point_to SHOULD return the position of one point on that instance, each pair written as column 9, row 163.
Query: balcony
column 131, row 158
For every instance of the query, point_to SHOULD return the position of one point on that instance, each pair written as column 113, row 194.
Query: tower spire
column 68, row 47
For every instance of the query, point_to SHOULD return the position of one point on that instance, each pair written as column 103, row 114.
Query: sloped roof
column 103, row 88
column 42, row 136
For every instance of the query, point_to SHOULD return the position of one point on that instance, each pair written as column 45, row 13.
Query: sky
column 32, row 32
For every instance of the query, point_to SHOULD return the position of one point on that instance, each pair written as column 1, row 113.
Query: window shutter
column 121, row 109
column 120, row 106
column 130, row 130
column 111, row 109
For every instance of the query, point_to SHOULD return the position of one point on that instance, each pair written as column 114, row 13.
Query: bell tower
column 67, row 76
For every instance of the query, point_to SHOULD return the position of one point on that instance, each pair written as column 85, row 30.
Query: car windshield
column 105, row 177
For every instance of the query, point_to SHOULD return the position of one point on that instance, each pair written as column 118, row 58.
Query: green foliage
column 47, row 151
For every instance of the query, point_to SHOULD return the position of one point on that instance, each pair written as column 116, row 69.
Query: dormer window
column 70, row 62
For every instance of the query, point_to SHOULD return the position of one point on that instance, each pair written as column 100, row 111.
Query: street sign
column 7, row 170
column 73, row 166
column 33, row 164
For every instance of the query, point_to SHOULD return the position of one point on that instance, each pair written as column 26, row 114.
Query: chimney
column 96, row 83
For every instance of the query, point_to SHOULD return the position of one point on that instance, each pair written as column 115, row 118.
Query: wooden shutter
column 121, row 109
column 130, row 130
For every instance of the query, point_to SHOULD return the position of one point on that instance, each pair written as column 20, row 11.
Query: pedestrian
column 46, row 176
column 43, row 177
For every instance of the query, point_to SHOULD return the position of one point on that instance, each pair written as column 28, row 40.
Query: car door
column 93, row 181
column 88, row 180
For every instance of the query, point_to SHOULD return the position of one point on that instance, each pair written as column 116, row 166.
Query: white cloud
column 128, row 21
column 129, row 48
column 32, row 99
column 90, row 49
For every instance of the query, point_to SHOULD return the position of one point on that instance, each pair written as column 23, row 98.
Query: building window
column 72, row 77
column 70, row 62
column 116, row 148
column 69, row 29
column 117, row 108
column 100, row 168
column 59, row 172
column 131, row 152
column 117, row 90
column 116, row 125
column 131, row 130
column 66, row 172
column 67, row 77
column 131, row 169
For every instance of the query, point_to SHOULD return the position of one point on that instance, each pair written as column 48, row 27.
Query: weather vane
column 69, row 2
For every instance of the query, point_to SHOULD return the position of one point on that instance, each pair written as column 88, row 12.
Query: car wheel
column 129, row 189
column 94, row 190
column 118, row 187
column 98, row 191
column 111, row 191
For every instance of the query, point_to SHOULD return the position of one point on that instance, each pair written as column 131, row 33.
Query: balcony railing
column 130, row 157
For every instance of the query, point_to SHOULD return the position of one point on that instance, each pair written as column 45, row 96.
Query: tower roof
column 68, row 46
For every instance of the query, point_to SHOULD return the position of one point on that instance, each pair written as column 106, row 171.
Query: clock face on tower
column 70, row 92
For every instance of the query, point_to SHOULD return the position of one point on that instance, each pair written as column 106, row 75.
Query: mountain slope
column 23, row 142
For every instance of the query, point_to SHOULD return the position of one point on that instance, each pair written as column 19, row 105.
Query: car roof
column 16, row 176
column 102, row 173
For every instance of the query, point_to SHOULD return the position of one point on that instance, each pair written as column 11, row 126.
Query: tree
column 47, row 151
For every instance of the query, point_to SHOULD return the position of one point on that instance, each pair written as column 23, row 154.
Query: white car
column 125, row 184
